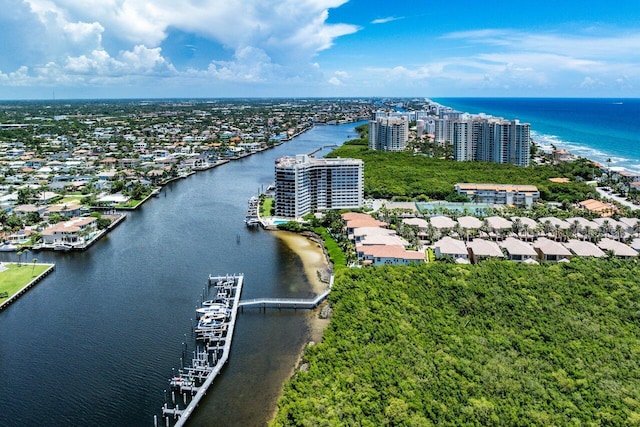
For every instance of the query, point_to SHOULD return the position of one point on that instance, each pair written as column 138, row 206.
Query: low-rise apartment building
column 499, row 194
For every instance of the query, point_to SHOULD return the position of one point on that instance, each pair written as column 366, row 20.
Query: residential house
column 550, row 250
column 448, row 246
column 584, row 249
column 619, row 249
column 517, row 250
column 71, row 232
column 388, row 255
column 480, row 249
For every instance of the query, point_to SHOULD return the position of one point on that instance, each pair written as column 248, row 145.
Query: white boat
column 214, row 310
column 215, row 301
column 62, row 247
column 8, row 247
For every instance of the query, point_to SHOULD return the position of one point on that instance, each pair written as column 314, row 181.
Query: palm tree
column 619, row 230
column 587, row 233
column 574, row 228
column 34, row 261
column 19, row 253
column 516, row 226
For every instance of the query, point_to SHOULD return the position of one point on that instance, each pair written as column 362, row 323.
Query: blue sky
column 319, row 48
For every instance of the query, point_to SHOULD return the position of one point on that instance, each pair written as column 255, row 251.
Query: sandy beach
column 313, row 260
column 311, row 255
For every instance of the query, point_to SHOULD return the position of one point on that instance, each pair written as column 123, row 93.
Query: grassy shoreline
column 18, row 276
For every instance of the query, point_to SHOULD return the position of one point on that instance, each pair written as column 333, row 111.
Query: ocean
column 599, row 129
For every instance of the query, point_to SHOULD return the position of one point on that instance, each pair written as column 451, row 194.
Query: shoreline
column 314, row 259
column 576, row 147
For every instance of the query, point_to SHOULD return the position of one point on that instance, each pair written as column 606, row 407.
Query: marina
column 213, row 345
column 145, row 280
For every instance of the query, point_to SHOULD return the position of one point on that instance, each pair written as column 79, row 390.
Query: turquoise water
column 600, row 129
column 470, row 208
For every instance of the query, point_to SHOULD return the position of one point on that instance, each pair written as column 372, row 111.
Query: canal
column 95, row 342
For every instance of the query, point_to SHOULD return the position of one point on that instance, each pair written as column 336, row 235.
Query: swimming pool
column 435, row 208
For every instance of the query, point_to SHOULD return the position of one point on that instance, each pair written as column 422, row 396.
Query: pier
column 213, row 345
column 291, row 303
column 317, row 150
column 213, row 335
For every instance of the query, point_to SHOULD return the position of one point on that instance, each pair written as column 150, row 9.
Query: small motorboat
column 8, row 247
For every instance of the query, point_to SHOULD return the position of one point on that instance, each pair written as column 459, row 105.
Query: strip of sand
column 312, row 256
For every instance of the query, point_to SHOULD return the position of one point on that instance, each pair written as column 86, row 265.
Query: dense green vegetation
column 404, row 174
column 337, row 257
column 490, row 344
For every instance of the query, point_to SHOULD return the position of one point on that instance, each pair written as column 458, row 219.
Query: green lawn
column 133, row 203
column 265, row 206
column 72, row 199
column 15, row 278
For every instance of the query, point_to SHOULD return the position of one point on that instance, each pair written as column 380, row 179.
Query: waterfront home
column 480, row 249
column 448, row 246
column 550, row 250
column 355, row 220
column 619, row 249
column 584, row 249
column 69, row 232
column 517, row 250
column 360, row 233
column 383, row 239
column 24, row 210
column 63, row 210
column 388, row 255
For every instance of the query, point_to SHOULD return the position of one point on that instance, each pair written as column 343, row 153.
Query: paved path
column 621, row 200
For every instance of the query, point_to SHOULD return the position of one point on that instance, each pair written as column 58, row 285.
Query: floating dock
column 213, row 334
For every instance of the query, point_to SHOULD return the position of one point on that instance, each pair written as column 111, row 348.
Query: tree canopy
column 497, row 343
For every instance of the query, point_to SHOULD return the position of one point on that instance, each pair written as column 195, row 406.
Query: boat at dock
column 213, row 334
column 8, row 247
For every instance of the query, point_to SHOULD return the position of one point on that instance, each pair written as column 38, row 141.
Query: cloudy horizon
column 315, row 48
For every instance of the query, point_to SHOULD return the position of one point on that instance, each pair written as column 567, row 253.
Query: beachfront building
column 305, row 184
column 499, row 194
column 388, row 134
column 485, row 138
column 502, row 141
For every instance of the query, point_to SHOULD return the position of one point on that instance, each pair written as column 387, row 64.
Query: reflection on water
column 94, row 343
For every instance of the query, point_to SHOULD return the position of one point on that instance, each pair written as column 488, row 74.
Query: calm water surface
column 94, row 344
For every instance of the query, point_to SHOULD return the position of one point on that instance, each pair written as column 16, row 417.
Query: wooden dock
column 209, row 359
column 291, row 303
column 287, row 303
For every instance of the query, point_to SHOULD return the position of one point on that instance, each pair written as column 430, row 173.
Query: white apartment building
column 305, row 184
column 388, row 134
column 499, row 194
column 486, row 139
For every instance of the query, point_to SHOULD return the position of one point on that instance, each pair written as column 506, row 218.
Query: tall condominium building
column 388, row 134
column 305, row 184
column 502, row 141
column 487, row 139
